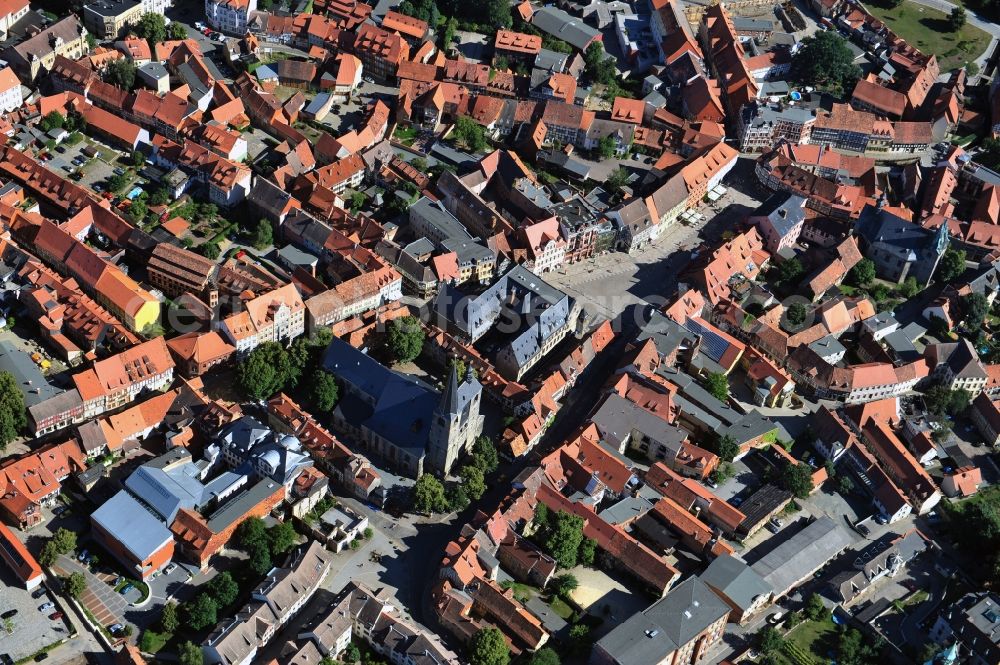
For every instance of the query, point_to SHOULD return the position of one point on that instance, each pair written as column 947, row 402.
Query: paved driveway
column 100, row 599
column 30, row 628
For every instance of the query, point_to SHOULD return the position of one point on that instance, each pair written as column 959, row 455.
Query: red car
column 206, row 31
column 55, row 616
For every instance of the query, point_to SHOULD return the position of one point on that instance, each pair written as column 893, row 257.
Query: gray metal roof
column 736, row 580
column 800, row 556
column 568, row 28
column 131, row 524
column 617, row 417
column 668, row 624
column 30, row 380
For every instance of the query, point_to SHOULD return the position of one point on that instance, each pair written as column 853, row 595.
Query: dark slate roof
column 29, row 379
column 784, row 211
column 736, row 580
column 665, row 626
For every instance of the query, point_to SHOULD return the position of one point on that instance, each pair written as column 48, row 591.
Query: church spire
column 449, row 400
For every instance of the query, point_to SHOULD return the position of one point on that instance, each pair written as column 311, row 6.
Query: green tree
column 587, row 551
column 790, row 271
column 456, row 497
column 565, row 584
column 563, row 538
column 484, row 454
column 281, row 538
column 176, row 31
column 13, row 417
column 189, row 653
column 797, row 314
column 152, row 28
column 251, row 532
column 352, row 654
column 323, row 391
column 210, row 250
column 202, row 612
column 956, row 19
column 137, row 211
column 159, row 197
column 826, row 61
column 844, row 484
column 405, row 338
column 717, row 384
column 223, row 589
column 607, row 148
column 971, row 68
column 544, row 656
column 116, row 183
column 488, row 647
column 357, row 201
column 952, row 265
column 265, row 371
column 169, row 621
column 498, row 14
column 449, row 34
column 470, row 134
column 75, row 584
column 726, row 447
column 599, row 66
column 428, row 495
column 52, row 120
column 815, row 610
column 260, row 560
column 263, row 235
column 616, row 180
column 797, row 479
column 909, row 287
column 121, row 73
column 473, row 481
column 769, row 640
column 863, row 273
column 975, row 307
column 940, row 400
column 579, row 635
column 138, row 159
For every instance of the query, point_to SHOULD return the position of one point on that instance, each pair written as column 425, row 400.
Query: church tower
column 456, row 422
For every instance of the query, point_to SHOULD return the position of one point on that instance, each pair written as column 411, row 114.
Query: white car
column 46, row 607
column 199, row 26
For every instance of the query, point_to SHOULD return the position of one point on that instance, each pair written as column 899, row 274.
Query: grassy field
column 812, row 641
column 927, row 29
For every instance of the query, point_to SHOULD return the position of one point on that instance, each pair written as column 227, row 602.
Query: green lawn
column 153, row 641
column 560, row 607
column 522, row 592
column 812, row 641
column 927, row 29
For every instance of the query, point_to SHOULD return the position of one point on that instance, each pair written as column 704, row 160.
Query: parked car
column 46, row 607
column 42, row 656
column 8, row 614
column 126, row 589
column 115, row 628
column 82, row 556
column 38, row 593
column 170, row 568
column 55, row 616
column 5, row 659
column 198, row 25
